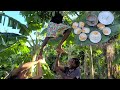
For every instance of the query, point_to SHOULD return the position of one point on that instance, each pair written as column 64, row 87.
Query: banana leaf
column 14, row 25
column 9, row 20
column 115, row 29
column 4, row 21
column 18, row 26
column 44, row 31
column 10, row 38
column 22, row 31
column 0, row 19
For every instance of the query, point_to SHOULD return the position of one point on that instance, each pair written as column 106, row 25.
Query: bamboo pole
column 92, row 68
column 85, row 66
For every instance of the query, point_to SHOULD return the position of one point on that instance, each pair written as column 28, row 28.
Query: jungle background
column 96, row 61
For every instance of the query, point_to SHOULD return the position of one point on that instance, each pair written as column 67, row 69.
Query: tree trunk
column 109, row 58
column 85, row 66
column 99, row 70
column 92, row 68
column 32, row 68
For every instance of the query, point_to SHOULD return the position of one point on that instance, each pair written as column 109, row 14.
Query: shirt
column 73, row 73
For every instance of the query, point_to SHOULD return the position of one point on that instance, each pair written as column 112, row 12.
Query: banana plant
column 24, row 30
column 14, row 55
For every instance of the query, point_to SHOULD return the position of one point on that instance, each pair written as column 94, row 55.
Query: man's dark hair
column 77, row 62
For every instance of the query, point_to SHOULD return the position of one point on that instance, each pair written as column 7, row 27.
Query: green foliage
column 13, row 56
column 47, row 73
column 14, row 53
column 117, row 53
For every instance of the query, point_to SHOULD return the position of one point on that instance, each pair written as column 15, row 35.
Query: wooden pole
column 92, row 68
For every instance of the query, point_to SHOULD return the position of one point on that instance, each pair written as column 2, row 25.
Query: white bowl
column 77, row 31
column 86, row 30
column 75, row 25
column 106, row 31
column 82, row 37
column 81, row 24
column 101, row 26
column 95, row 36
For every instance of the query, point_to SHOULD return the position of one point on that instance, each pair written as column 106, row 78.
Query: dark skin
column 22, row 71
column 59, row 47
column 57, row 19
column 59, row 68
column 23, row 75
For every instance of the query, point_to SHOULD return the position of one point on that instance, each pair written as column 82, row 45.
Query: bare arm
column 24, row 66
column 57, row 64
column 28, row 65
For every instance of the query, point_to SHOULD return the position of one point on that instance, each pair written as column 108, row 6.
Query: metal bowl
column 92, row 20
